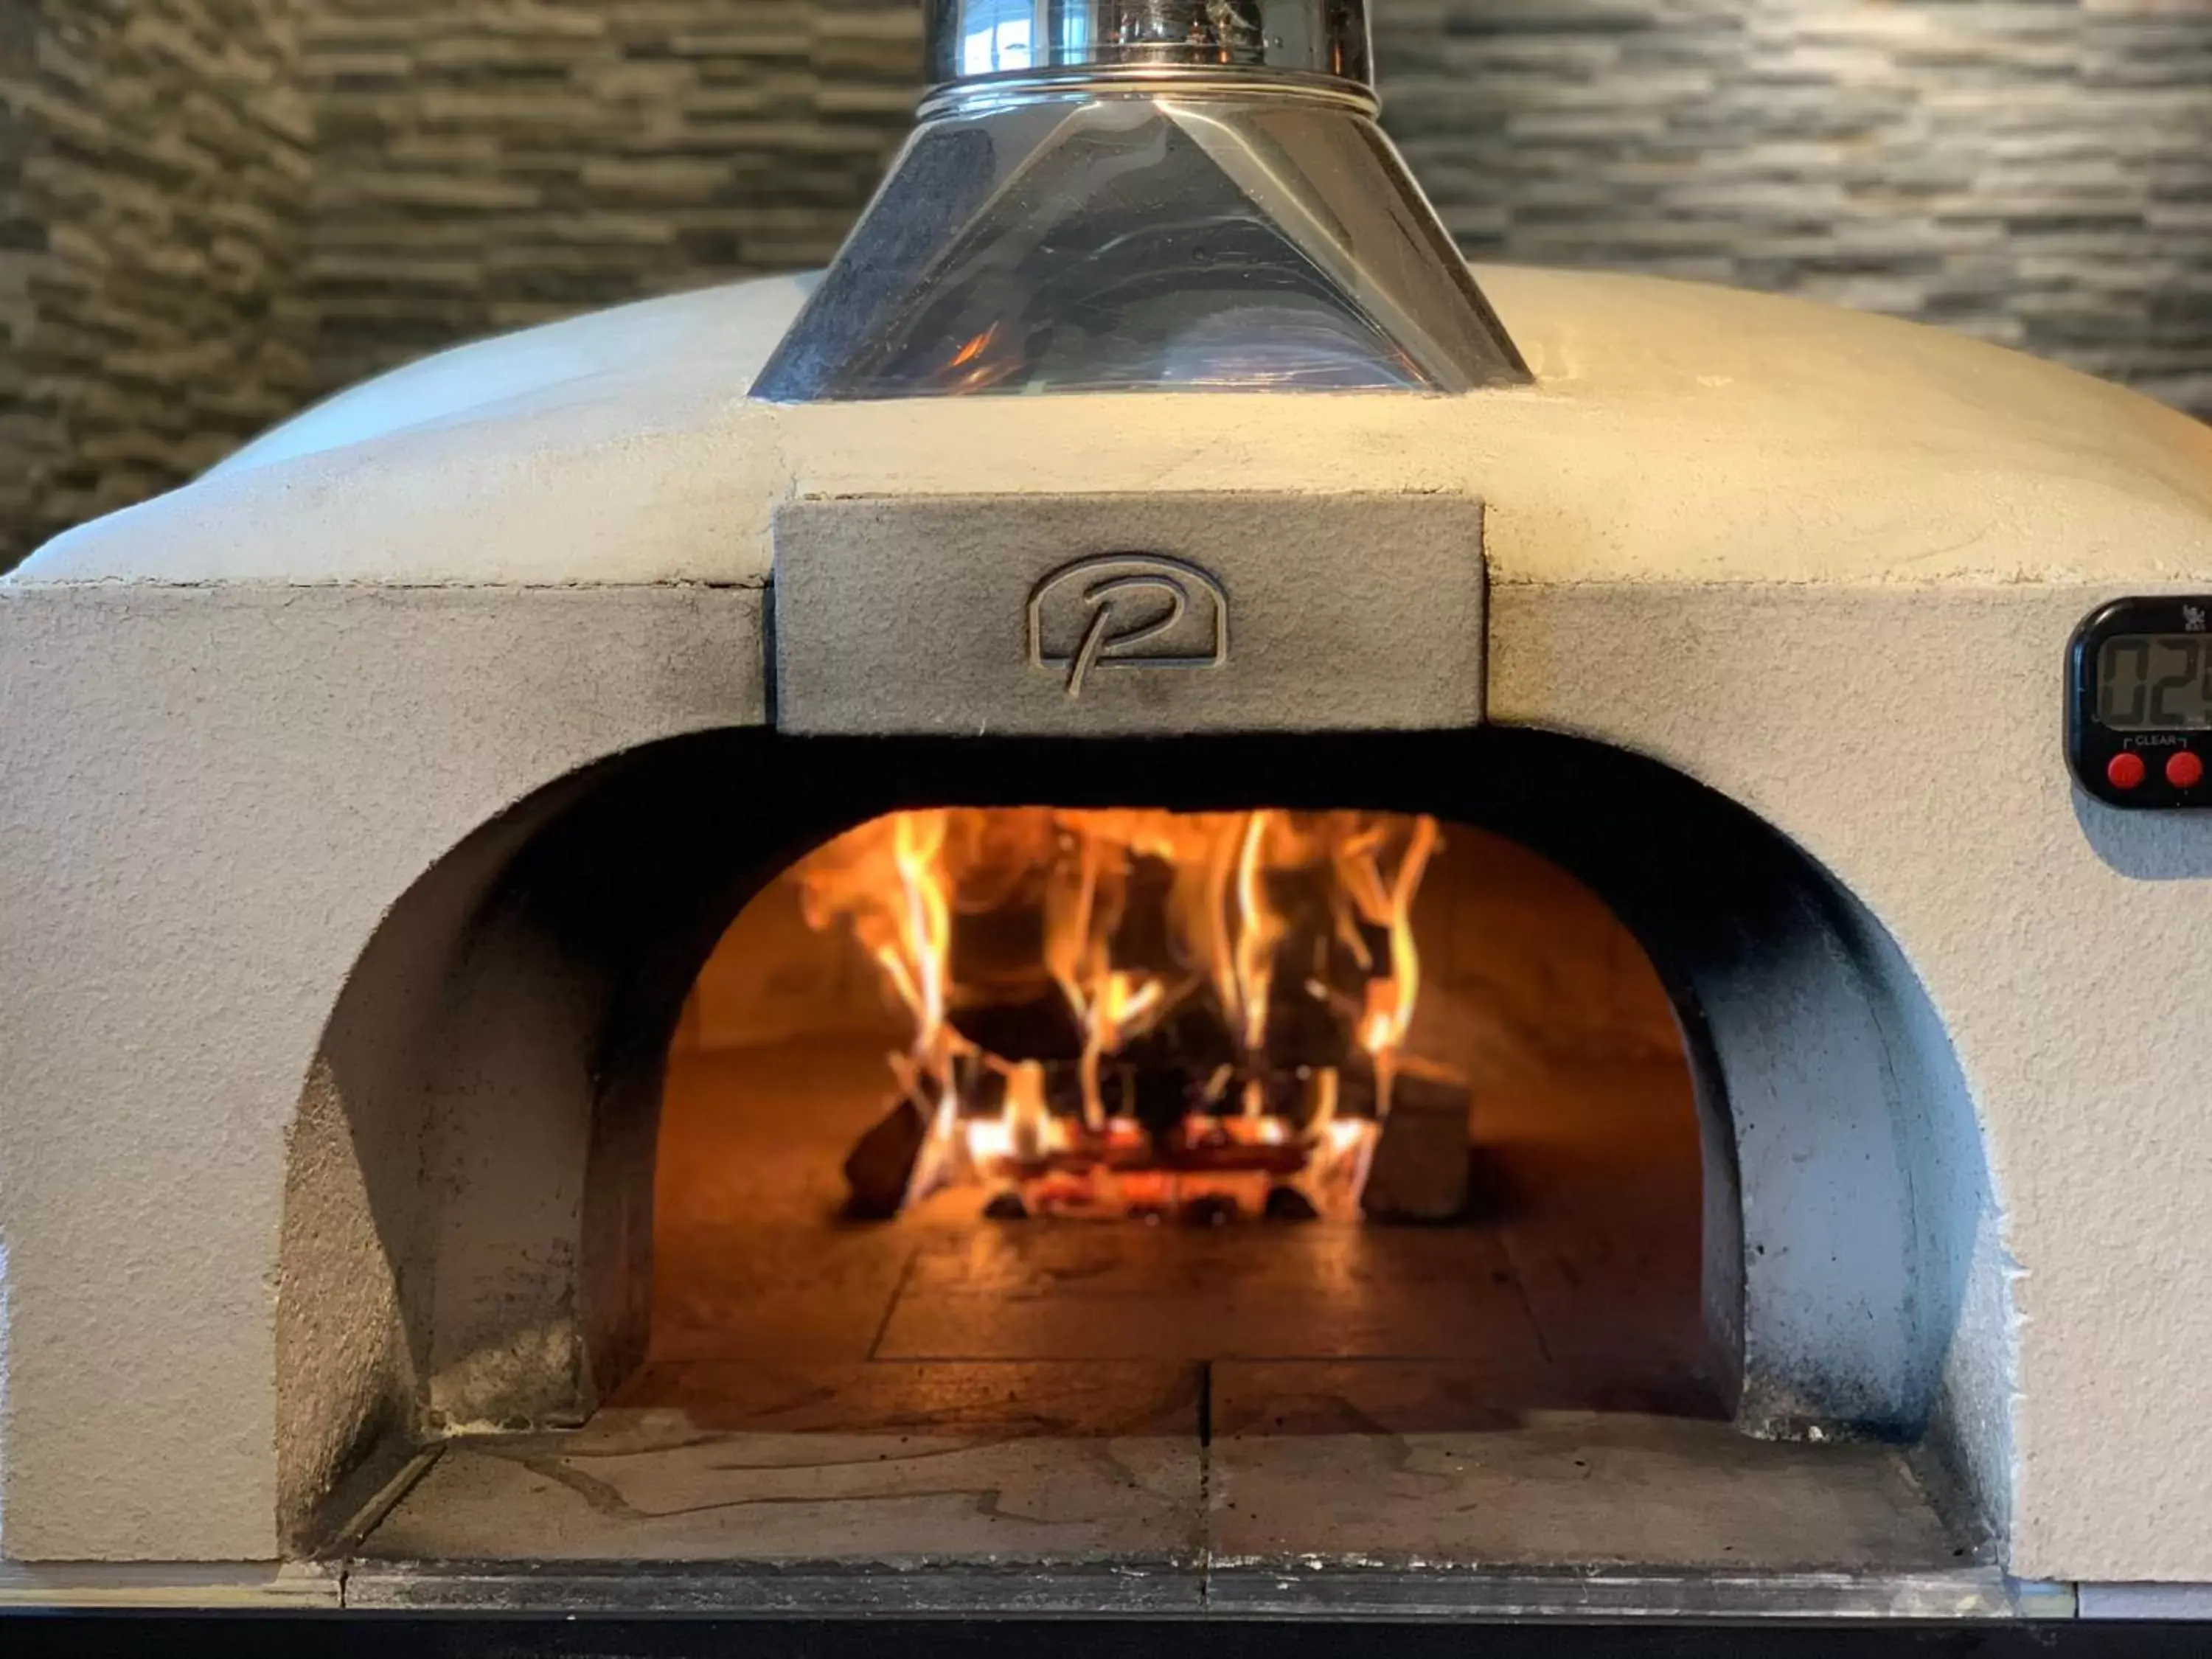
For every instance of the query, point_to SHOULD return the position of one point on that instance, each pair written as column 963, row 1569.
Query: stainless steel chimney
column 1124, row 195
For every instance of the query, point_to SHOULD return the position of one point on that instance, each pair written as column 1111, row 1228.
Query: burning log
column 1222, row 1144
column 1119, row 1012
column 1289, row 1204
column 1209, row 1210
column 1419, row 1167
column 879, row 1169
column 1040, row 1027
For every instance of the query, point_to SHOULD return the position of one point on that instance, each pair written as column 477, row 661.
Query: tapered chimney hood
column 1129, row 195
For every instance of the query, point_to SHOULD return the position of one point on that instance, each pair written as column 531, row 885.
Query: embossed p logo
column 1126, row 610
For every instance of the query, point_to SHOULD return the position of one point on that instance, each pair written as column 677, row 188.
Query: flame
column 1258, row 932
column 1024, row 1116
column 925, row 923
column 1388, row 1012
column 1151, row 929
column 1119, row 1007
column 884, row 880
column 973, row 349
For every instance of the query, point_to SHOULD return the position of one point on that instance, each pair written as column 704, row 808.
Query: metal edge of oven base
column 342, row 1634
column 1255, row 1591
column 1219, row 1592
column 1328, row 1590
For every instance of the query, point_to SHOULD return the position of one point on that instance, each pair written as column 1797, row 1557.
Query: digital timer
column 2139, row 701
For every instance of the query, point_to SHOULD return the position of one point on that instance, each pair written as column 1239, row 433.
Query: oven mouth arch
column 1844, row 1178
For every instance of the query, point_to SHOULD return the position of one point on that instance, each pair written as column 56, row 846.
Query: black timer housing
column 2139, row 702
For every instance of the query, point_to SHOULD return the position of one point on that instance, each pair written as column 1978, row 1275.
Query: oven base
column 1222, row 1593
column 646, row 1511
column 1303, row 1591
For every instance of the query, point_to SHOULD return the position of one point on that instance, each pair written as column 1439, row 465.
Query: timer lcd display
column 2155, row 682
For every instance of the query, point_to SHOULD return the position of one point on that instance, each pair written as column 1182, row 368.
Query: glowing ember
column 1119, row 1013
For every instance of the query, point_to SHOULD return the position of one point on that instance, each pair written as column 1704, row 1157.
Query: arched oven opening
column 1151, row 1164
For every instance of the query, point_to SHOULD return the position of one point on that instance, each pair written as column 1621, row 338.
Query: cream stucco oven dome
column 373, row 803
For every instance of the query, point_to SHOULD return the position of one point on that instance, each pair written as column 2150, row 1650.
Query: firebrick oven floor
column 1573, row 1283
column 1324, row 1462
column 1525, row 1391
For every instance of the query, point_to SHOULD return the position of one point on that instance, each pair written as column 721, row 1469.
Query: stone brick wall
column 22, row 237
column 154, row 176
column 2036, row 172
column 489, row 164
column 210, row 209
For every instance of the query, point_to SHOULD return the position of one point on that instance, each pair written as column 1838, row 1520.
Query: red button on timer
column 2124, row 770
column 2184, row 770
